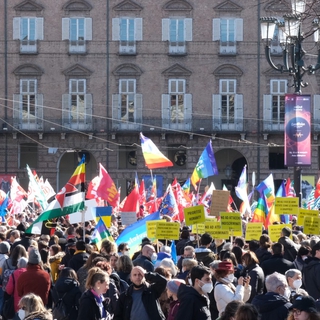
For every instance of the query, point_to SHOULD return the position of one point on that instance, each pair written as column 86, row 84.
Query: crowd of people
column 211, row 278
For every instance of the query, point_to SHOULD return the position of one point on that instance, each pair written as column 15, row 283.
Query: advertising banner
column 297, row 142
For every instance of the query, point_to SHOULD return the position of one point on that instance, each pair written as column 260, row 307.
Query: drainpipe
column 6, row 83
column 258, row 93
column 107, row 80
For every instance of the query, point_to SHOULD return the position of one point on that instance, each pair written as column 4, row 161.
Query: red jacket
column 34, row 280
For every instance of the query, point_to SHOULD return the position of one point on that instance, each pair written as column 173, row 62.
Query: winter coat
column 82, row 274
column 256, row 279
column 173, row 310
column 150, row 295
column 311, row 278
column 193, row 305
column 43, row 315
column 272, row 306
column 290, row 248
column 34, row 280
column 224, row 294
column 276, row 264
column 89, row 309
column 145, row 263
column 68, row 290
column 12, row 288
column 78, row 260
column 54, row 265
column 263, row 254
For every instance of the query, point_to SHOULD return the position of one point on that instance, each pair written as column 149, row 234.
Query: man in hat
column 35, row 279
column 70, row 250
column 303, row 306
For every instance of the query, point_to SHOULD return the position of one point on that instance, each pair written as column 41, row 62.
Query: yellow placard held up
column 253, row 231
column 306, row 213
column 194, row 215
column 275, row 231
column 289, row 205
column 231, row 221
column 168, row 231
column 152, row 227
column 311, row 225
column 198, row 228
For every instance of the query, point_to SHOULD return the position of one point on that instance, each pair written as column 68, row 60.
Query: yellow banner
column 201, row 226
column 306, row 213
column 275, row 231
column 311, row 225
column 168, row 231
column 194, row 215
column 253, row 231
column 152, row 227
column 231, row 221
column 288, row 205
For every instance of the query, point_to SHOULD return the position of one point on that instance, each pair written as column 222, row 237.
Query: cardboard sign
column 288, row 205
column 128, row 218
column 152, row 227
column 219, row 202
column 231, row 221
column 169, row 231
column 311, row 225
column 194, row 215
column 253, row 231
column 306, row 213
column 275, row 231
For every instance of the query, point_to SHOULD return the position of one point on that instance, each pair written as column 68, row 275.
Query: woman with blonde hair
column 93, row 305
column 31, row 308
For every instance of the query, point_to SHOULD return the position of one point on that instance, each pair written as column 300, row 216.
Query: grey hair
column 214, row 264
column 165, row 249
column 189, row 248
column 292, row 272
column 168, row 263
column 227, row 246
column 275, row 280
column 22, row 263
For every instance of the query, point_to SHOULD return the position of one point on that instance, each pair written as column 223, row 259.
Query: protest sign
column 194, row 215
column 231, row 221
column 306, row 213
column 311, row 225
column 152, row 227
column 275, row 231
column 168, row 231
column 253, row 231
column 219, row 202
column 289, row 205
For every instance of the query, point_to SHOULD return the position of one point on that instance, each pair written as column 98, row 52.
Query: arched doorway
column 68, row 163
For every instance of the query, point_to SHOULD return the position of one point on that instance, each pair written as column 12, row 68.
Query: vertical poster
column 297, row 142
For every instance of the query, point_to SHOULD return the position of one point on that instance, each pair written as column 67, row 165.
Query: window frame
column 79, row 119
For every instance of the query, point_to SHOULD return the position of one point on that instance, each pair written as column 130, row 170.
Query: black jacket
column 263, row 254
column 193, row 306
column 78, row 260
column 68, row 289
column 145, row 263
column 89, row 309
column 272, row 306
column 276, row 264
column 151, row 293
column 311, row 277
column 290, row 248
column 257, row 279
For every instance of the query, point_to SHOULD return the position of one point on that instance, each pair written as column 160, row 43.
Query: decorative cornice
column 177, row 70
column 77, row 71
column 127, row 69
column 28, row 70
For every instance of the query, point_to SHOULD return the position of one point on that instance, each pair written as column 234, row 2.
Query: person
column 35, row 279
column 148, row 256
column 188, row 253
column 230, row 310
column 123, row 268
column 184, row 239
column 113, row 260
column 146, row 287
column 290, row 248
column 304, row 308
column 276, row 263
column 31, row 307
column 12, row 285
column 55, row 258
column 263, row 252
column 172, row 291
column 294, row 280
column 80, row 256
column 123, row 249
column 4, row 255
column 275, row 304
column 254, row 271
column 93, row 306
column 108, row 247
column 247, row 312
column 67, row 289
column 194, row 303
column 311, row 271
column 225, row 291
column 204, row 248
column 303, row 253
column 187, row 265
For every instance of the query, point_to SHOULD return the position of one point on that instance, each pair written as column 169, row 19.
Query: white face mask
column 230, row 277
column 207, row 287
column 154, row 257
column 287, row 293
column 21, row 314
column 191, row 238
column 297, row 283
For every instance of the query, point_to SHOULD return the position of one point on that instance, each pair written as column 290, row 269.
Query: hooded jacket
column 311, row 278
column 193, row 306
column 272, row 306
column 54, row 265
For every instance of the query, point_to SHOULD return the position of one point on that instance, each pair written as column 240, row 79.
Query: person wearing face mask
column 194, row 301
column 275, row 304
column 294, row 279
column 225, row 291
column 140, row 300
column 147, row 258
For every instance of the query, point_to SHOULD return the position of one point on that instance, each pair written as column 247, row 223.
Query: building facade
column 88, row 76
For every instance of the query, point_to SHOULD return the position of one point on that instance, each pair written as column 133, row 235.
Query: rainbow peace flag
column 152, row 156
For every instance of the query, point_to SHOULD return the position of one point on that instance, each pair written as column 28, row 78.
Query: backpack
column 59, row 310
column 6, row 275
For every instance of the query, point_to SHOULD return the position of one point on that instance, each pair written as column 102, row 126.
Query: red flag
column 290, row 192
column 181, row 198
column 132, row 201
column 142, row 194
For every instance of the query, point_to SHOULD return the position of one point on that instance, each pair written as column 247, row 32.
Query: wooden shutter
column 66, row 101
column 188, row 29
column 165, row 29
column 16, row 28
column 188, row 111
column 138, row 108
column 316, row 112
column 165, row 105
column 39, row 111
column 239, row 29
column 88, row 101
column 138, row 29
column 39, row 28
column 267, row 112
column 215, row 29
column 115, row 29
column 17, row 110
column 116, row 98
column 88, row 29
column 238, row 112
column 65, row 28
column 216, row 111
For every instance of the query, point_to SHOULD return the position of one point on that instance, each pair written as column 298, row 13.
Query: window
column 127, row 158
column 228, row 31
column 228, row 107
column 28, row 106
column 276, row 158
column 28, row 155
column 127, row 31
column 177, row 31
column 28, row 31
column 77, row 106
column 77, row 31
column 127, row 106
column 178, row 156
column 177, row 106
column 274, row 105
column 275, row 43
